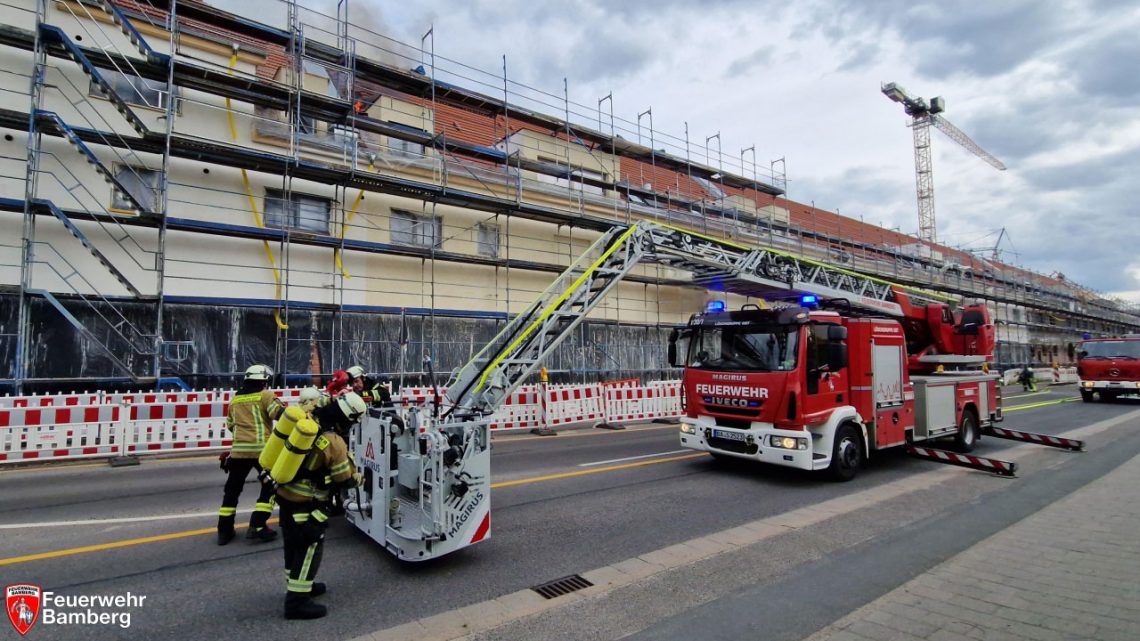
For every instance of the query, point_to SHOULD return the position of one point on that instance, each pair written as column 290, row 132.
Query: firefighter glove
column 224, row 461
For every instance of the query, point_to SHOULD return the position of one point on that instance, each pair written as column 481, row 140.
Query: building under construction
column 186, row 191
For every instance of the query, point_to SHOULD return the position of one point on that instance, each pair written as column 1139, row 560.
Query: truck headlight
column 688, row 429
column 787, row 442
column 1086, row 384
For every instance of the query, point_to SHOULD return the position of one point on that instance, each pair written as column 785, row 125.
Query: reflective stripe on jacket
column 250, row 419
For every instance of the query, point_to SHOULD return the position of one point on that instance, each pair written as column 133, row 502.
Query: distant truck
column 1108, row 367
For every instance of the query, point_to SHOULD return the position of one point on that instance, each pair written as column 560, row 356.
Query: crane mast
column 925, row 115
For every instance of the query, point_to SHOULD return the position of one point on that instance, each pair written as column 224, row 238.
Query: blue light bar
column 715, row 306
column 809, row 300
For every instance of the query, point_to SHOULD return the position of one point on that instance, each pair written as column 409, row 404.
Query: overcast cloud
column 1050, row 88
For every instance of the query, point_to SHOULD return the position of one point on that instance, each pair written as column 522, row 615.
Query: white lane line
column 631, row 458
column 127, row 519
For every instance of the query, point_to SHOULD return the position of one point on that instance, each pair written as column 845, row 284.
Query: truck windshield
column 1111, row 349
column 753, row 349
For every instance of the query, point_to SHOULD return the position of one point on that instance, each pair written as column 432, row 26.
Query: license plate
column 729, row 436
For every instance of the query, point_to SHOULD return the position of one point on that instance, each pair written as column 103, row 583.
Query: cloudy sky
column 1052, row 88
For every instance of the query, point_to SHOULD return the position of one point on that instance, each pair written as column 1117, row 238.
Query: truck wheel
column 1086, row 396
column 846, row 453
column 967, row 436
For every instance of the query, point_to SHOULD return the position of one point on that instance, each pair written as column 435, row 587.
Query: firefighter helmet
column 352, row 406
column 258, row 373
column 355, row 371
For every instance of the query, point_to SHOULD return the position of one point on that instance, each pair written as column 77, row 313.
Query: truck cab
column 769, row 385
column 818, row 390
column 1108, row 367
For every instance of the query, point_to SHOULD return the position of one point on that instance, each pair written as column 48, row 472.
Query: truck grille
column 749, row 412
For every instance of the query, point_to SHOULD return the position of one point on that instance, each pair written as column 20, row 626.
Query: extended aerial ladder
column 427, row 475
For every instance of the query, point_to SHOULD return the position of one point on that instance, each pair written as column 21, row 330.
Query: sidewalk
column 1069, row 572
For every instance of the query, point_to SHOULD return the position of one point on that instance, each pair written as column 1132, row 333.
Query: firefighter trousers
column 238, row 470
column 303, row 530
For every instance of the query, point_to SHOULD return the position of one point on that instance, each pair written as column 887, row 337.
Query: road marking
column 187, row 533
column 114, row 544
column 565, row 475
column 1027, row 394
column 1041, row 404
column 507, row 438
column 125, row 519
column 630, row 458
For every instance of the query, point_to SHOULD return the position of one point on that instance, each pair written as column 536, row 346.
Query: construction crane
column 924, row 116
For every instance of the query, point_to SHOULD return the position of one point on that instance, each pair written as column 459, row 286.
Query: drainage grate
column 565, row 585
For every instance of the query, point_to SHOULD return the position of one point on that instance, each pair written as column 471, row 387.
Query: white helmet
column 258, row 373
column 352, row 406
column 355, row 371
column 309, row 397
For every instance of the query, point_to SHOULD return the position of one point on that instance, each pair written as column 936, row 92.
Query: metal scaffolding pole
column 31, row 183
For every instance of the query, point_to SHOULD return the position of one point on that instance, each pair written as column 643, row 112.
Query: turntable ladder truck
column 427, row 467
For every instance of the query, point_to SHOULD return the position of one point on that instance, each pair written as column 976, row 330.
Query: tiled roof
column 275, row 57
column 640, row 173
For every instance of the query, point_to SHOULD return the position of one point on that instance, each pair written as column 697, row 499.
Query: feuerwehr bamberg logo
column 22, row 601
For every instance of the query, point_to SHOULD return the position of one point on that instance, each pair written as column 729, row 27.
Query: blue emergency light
column 715, row 306
column 809, row 300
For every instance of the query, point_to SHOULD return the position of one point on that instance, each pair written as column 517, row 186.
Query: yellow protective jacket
column 250, row 419
column 327, row 463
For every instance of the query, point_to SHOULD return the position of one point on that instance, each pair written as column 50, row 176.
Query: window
column 134, row 90
column 142, row 184
column 405, row 148
column 416, row 230
column 488, row 240
column 298, row 211
column 577, row 174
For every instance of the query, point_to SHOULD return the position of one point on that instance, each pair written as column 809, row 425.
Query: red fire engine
column 1109, row 367
column 823, row 389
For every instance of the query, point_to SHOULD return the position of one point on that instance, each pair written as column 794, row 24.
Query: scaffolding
column 333, row 103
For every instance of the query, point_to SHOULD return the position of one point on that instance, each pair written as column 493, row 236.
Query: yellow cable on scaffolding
column 253, row 206
column 344, row 227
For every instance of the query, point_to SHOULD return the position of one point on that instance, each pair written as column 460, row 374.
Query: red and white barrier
column 89, row 425
column 49, row 432
column 567, row 404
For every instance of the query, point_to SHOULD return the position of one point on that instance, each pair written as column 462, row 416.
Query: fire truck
column 1109, row 367
column 824, row 389
column 814, row 401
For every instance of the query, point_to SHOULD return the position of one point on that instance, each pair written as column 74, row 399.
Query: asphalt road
column 542, row 528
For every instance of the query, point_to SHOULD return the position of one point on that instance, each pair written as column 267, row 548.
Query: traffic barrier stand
column 123, row 457
column 543, row 428
column 998, row 467
column 1070, row 444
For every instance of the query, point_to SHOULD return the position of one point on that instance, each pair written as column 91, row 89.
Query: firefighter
column 251, row 414
column 372, row 390
column 1026, row 379
column 304, row 503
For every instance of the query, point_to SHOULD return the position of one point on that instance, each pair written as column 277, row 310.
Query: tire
column 846, row 453
column 968, row 432
column 1086, row 396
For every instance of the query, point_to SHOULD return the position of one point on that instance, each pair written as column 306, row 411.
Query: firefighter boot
column 318, row 589
column 226, row 526
column 299, row 605
column 261, row 534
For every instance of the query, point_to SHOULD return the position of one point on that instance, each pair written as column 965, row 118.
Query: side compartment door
column 892, row 417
